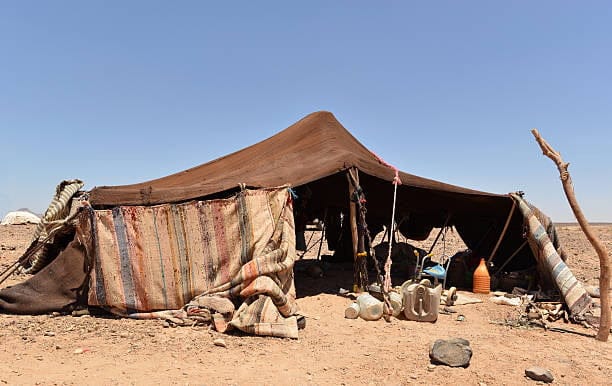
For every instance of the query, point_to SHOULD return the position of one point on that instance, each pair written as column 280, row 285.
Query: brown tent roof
column 313, row 148
column 315, row 152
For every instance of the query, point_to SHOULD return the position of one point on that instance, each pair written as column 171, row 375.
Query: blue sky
column 121, row 92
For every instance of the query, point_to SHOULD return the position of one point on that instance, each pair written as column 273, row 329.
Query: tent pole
column 503, row 232
column 359, row 281
column 510, row 258
column 440, row 232
column 322, row 234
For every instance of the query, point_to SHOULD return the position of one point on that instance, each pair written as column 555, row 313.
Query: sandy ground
column 333, row 350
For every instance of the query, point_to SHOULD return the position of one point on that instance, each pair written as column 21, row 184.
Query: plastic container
column 397, row 303
column 370, row 308
column 421, row 302
column 352, row 311
column 482, row 279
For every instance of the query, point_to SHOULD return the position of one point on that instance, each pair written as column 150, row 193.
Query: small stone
column 460, row 318
column 78, row 351
column 539, row 374
column 431, row 367
column 165, row 324
column 78, row 313
column 220, row 342
column 454, row 352
column 534, row 315
column 49, row 333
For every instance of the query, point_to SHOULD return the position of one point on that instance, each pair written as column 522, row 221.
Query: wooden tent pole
column 503, row 232
column 322, row 234
column 604, row 263
column 359, row 281
column 440, row 232
column 499, row 270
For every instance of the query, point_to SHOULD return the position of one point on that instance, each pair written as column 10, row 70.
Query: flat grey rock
column 454, row 352
column 539, row 374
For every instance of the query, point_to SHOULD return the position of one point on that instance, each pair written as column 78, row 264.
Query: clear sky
column 126, row 91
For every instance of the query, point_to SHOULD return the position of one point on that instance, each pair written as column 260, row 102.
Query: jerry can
column 421, row 302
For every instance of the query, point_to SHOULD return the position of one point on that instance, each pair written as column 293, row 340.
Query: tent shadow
column 314, row 277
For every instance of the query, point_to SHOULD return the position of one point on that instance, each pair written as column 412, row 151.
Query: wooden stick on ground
column 604, row 263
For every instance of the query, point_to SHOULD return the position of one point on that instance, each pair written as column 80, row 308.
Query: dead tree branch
column 604, row 263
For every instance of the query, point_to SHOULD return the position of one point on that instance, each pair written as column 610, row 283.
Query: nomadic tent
column 314, row 155
column 128, row 225
column 20, row 217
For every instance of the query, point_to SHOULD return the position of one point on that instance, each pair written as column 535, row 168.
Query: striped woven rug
column 576, row 297
column 152, row 258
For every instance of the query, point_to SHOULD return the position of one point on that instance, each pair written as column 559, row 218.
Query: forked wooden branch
column 604, row 263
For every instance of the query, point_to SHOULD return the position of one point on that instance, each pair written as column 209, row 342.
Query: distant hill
column 565, row 224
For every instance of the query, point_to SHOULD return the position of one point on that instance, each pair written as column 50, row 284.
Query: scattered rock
column 431, row 367
column 534, row 315
column 539, row 374
column 454, row 352
column 220, row 342
column 461, row 318
column 593, row 291
column 82, row 312
column 49, row 333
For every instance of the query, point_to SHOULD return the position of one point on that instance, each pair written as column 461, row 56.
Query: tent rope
column 58, row 209
column 387, row 281
column 396, row 179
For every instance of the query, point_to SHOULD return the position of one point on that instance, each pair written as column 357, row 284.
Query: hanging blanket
column 155, row 261
column 550, row 260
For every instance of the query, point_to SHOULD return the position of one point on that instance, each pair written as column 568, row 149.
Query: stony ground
column 85, row 350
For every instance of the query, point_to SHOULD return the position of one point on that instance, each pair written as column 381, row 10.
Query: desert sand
column 86, row 350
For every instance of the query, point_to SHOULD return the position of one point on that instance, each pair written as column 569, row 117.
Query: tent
column 182, row 219
column 315, row 153
column 20, row 217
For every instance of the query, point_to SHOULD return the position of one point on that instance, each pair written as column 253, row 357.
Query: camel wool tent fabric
column 316, row 152
column 154, row 234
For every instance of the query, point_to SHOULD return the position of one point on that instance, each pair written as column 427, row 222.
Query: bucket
column 482, row 280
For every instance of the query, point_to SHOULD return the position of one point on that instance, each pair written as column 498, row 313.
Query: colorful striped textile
column 147, row 259
column 549, row 259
